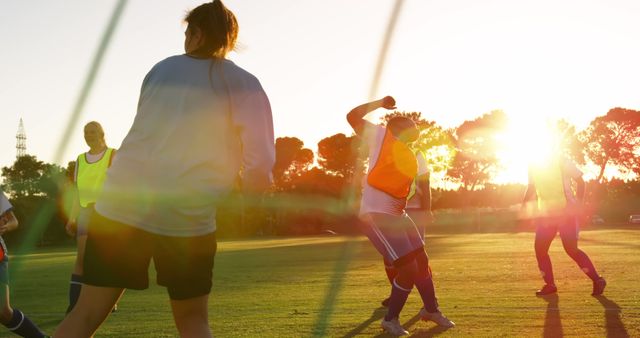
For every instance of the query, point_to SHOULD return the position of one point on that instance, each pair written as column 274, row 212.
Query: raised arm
column 357, row 114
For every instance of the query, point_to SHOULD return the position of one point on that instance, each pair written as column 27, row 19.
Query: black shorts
column 118, row 255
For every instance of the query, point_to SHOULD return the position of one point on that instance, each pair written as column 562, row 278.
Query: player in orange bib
column 392, row 170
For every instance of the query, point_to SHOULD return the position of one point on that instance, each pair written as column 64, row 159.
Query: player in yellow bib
column 90, row 173
column 556, row 209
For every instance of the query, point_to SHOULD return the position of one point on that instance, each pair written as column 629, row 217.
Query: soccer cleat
column 436, row 317
column 385, row 302
column 598, row 286
column 393, row 327
column 547, row 289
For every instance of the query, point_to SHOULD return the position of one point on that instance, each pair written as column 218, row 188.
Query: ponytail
column 218, row 26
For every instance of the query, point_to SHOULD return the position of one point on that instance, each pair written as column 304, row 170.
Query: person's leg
column 424, row 283
column 14, row 320
column 400, row 288
column 390, row 270
column 75, row 284
column 426, row 288
column 569, row 233
column 93, row 307
column 191, row 316
column 391, row 273
column 545, row 232
column 184, row 266
column 388, row 236
column 420, row 221
column 117, row 256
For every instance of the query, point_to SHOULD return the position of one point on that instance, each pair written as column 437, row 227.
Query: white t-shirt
column 197, row 124
column 374, row 200
column 93, row 158
column 5, row 205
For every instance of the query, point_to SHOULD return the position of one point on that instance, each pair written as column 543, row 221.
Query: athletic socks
column 75, row 285
column 585, row 264
column 427, row 293
column 22, row 326
column 546, row 270
column 397, row 299
column 391, row 272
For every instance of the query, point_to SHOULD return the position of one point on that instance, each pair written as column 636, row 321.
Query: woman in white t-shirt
column 200, row 119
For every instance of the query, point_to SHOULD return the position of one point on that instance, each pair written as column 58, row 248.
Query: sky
column 451, row 60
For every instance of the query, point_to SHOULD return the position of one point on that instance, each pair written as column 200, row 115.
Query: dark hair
column 398, row 124
column 219, row 27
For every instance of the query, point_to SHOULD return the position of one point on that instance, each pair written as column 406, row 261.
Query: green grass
column 332, row 286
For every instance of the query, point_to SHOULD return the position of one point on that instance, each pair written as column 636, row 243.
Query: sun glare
column 525, row 141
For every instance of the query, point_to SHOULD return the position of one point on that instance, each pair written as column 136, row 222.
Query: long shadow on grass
column 552, row 323
column 335, row 285
column 375, row 316
column 613, row 322
column 431, row 332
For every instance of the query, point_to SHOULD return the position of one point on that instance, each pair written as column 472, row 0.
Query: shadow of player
column 613, row 322
column 376, row 316
column 552, row 322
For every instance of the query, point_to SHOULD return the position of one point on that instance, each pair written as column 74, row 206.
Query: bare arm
column 580, row 189
column 357, row 114
column 425, row 191
column 8, row 222
column 529, row 194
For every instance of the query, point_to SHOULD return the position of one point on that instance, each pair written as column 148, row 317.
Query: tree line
column 319, row 190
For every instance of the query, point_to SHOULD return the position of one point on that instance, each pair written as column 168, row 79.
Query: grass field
column 332, row 286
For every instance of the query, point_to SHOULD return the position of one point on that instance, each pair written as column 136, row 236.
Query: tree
column 292, row 159
column 614, row 139
column 570, row 141
column 35, row 188
column 476, row 161
column 30, row 177
column 338, row 155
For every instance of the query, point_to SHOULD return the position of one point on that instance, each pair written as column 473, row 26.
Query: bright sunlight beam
column 526, row 140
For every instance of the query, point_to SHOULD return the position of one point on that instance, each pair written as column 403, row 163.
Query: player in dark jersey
column 13, row 319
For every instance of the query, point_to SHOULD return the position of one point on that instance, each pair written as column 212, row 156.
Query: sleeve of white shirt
column 423, row 167
column 251, row 117
column 5, row 205
column 373, row 133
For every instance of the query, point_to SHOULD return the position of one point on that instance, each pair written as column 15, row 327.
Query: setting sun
column 525, row 141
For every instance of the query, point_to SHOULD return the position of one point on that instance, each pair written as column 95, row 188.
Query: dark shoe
column 598, row 286
column 547, row 289
column 385, row 302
